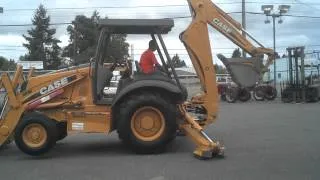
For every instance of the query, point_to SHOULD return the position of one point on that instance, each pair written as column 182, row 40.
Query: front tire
column 147, row 122
column 36, row 134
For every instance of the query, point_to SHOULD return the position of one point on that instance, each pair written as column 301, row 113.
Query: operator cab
column 102, row 74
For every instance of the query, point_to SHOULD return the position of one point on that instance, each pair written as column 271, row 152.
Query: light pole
column 268, row 11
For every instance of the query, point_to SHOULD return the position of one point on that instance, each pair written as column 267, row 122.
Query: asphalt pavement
column 267, row 140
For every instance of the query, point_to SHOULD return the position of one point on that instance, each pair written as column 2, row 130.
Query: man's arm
column 155, row 61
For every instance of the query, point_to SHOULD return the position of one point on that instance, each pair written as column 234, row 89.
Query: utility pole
column 244, row 23
column 75, row 44
column 274, row 51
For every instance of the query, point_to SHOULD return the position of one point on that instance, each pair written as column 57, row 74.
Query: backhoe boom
column 197, row 43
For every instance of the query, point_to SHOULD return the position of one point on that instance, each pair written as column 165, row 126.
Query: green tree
column 177, row 62
column 23, row 58
column 83, row 37
column 41, row 44
column 7, row 65
column 236, row 53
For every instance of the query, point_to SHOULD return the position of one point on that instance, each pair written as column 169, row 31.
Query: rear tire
column 36, row 134
column 147, row 122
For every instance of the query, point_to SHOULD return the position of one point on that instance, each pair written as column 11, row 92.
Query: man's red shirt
column 148, row 61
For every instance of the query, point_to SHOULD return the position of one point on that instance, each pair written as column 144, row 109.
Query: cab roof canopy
column 136, row 26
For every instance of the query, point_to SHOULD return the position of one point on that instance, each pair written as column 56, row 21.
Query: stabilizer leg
column 206, row 147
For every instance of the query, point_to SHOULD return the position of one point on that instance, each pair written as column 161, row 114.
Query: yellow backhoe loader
column 146, row 110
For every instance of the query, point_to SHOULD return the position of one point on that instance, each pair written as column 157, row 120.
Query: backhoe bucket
column 245, row 72
column 12, row 109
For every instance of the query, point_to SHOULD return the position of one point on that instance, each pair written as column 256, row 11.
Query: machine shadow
column 100, row 148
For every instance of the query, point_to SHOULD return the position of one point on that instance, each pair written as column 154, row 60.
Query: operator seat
column 104, row 77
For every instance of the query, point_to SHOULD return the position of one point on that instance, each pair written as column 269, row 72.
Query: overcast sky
column 294, row 31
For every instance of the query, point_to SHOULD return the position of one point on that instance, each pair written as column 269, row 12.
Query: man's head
column 152, row 45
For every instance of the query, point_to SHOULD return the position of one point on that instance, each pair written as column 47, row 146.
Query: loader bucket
column 12, row 108
column 245, row 72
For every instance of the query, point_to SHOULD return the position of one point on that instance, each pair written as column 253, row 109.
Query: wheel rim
column 34, row 135
column 147, row 123
column 258, row 94
column 229, row 98
column 259, row 98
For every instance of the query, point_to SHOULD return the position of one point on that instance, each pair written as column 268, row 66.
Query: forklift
column 297, row 89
